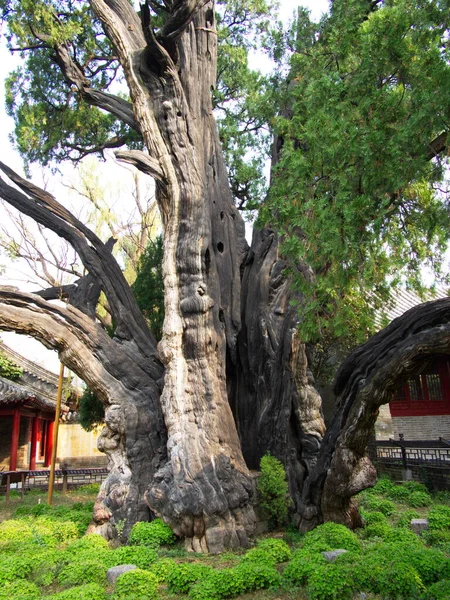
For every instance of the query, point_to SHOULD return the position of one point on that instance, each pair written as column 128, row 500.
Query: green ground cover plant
column 44, row 554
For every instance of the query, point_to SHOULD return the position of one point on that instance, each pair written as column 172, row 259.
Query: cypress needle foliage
column 357, row 194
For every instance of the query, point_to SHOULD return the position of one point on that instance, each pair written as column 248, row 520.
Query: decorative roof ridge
column 27, row 365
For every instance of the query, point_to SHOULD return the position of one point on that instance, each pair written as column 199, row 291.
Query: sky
column 28, row 347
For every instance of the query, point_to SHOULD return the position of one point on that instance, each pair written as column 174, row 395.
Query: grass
column 37, row 548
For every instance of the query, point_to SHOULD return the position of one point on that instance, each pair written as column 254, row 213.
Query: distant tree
column 91, row 412
column 8, row 369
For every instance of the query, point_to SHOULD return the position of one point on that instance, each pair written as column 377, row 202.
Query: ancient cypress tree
column 231, row 377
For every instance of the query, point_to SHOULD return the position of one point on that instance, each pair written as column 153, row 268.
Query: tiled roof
column 12, row 394
column 403, row 301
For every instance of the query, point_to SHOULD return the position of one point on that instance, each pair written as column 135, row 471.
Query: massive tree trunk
column 230, row 342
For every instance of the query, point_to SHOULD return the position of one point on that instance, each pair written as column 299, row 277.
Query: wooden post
column 34, row 437
column 8, row 488
column 14, row 440
column 55, row 435
column 48, row 443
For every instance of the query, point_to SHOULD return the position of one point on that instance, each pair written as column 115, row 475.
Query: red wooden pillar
column 49, row 443
column 14, row 440
column 34, row 441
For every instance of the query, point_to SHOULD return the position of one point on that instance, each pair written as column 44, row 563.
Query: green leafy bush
column 383, row 486
column 404, row 519
column 152, row 534
column 374, row 503
column 15, row 567
column 333, row 582
column 90, row 591
column 19, row 590
column 419, row 499
column 431, row 564
column 141, row 556
column 303, row 564
column 438, row 591
column 92, row 541
column 376, row 530
column 331, row 536
column 439, row 517
column 276, row 548
column 217, row 585
column 398, row 493
column 273, row 490
column 78, row 573
column 256, row 576
column 260, row 556
column 373, row 517
column 135, row 585
column 162, row 568
column 400, row 581
column 183, row 576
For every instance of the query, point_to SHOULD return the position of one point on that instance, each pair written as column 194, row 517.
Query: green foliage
column 162, row 568
column 260, row 556
column 256, row 576
column 332, row 582
column 400, row 581
column 404, row 519
column 368, row 88
column 41, row 530
column 419, row 499
column 330, row 536
column 438, row 591
column 374, row 503
column 370, row 518
column 92, row 541
column 135, row 585
column 19, row 590
column 273, row 489
column 91, row 411
column 15, row 567
column 276, row 548
column 439, row 517
column 78, row 573
column 148, row 287
column 302, row 565
column 182, row 577
column 141, row 556
column 152, row 534
column 89, row 591
column 8, row 369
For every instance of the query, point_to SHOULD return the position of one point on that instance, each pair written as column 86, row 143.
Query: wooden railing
column 412, row 453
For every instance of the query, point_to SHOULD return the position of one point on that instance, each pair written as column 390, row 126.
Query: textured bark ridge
column 365, row 381
column 134, row 437
column 276, row 405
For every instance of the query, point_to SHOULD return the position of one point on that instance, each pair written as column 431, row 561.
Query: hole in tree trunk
column 207, row 261
column 220, row 247
column 222, row 215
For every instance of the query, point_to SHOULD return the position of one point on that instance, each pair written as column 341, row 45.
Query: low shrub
column 273, row 490
column 79, row 573
column 162, row 568
column 152, row 534
column 260, row 556
column 90, row 591
column 374, row 503
column 331, row 536
column 419, row 499
column 302, row 565
column 141, row 556
column 333, row 582
column 404, row 519
column 439, row 517
column 398, row 493
column 383, row 486
column 431, row 564
column 376, row 530
column 438, row 591
column 135, row 585
column 183, row 576
column 93, row 541
column 276, row 548
column 373, row 517
column 256, row 576
column 15, row 567
column 19, row 590
column 400, row 581
column 217, row 585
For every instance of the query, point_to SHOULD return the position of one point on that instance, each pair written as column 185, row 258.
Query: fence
column 424, row 460
column 63, row 478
